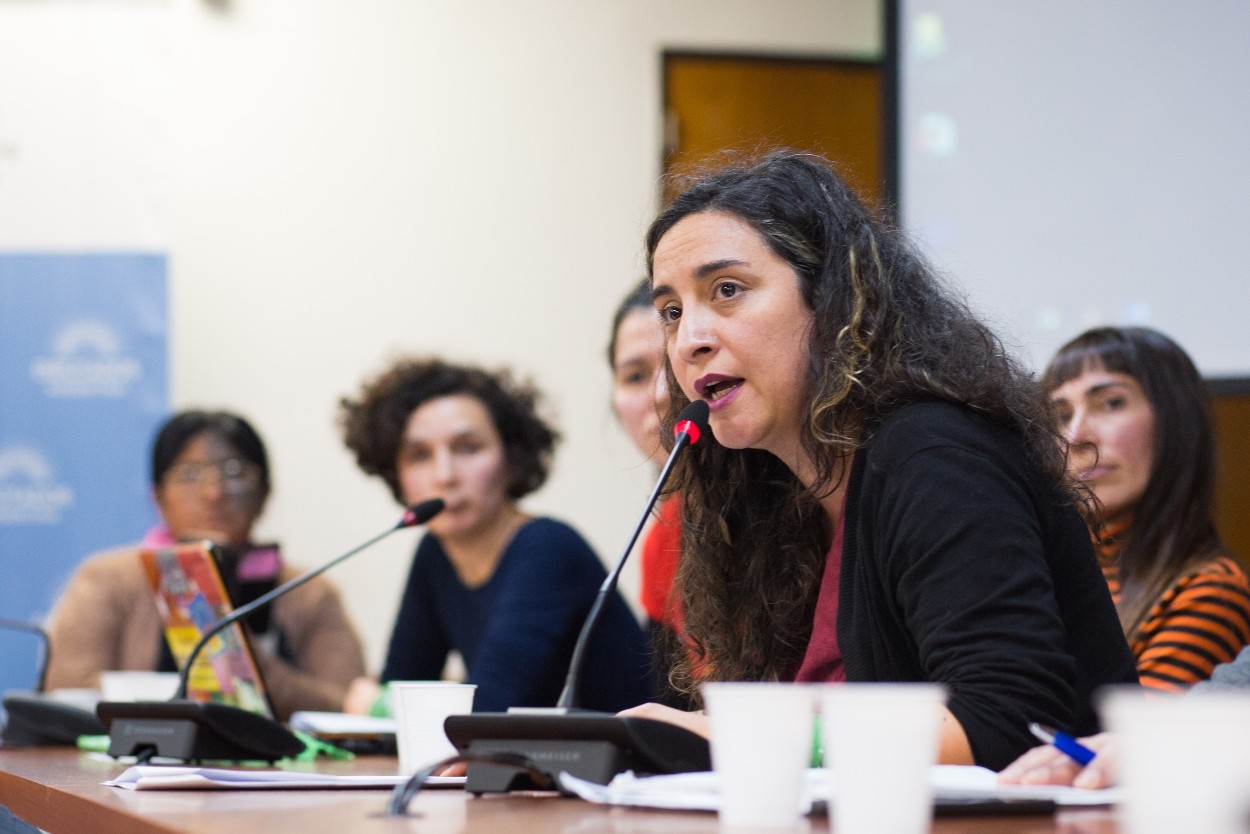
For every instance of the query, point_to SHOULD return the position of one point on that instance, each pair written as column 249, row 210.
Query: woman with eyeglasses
column 210, row 480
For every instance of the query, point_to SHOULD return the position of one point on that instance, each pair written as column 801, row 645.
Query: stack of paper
column 149, row 777
column 952, row 785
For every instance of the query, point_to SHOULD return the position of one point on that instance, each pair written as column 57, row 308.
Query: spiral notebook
column 191, row 597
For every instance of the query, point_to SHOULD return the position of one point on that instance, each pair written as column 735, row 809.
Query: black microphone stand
column 590, row 745
column 45, row 645
column 194, row 730
column 568, row 696
column 32, row 719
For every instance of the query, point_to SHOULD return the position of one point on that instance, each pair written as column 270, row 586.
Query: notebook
column 191, row 597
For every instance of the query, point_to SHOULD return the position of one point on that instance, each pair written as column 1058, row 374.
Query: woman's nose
column 695, row 338
column 1082, row 436
column 444, row 467
column 1077, row 428
column 212, row 487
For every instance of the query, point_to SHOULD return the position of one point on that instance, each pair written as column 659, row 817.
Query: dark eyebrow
column 716, row 266
column 702, row 272
column 1092, row 391
column 1103, row 386
column 466, row 434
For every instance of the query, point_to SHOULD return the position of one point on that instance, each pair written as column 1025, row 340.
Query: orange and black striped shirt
column 1199, row 622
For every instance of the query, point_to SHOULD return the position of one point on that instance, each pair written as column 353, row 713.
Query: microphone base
column 35, row 720
column 588, row 745
column 194, row 731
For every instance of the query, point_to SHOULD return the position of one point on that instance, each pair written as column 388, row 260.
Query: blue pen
column 1064, row 743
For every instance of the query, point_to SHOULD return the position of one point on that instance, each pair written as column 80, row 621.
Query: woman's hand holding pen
column 1047, row 765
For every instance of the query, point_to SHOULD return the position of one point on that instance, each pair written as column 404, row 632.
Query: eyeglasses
column 237, row 477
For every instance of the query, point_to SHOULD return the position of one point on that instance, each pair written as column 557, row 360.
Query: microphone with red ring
column 689, row 428
column 415, row 515
column 193, row 730
column 590, row 745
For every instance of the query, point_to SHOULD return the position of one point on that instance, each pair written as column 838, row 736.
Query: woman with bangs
column 1136, row 417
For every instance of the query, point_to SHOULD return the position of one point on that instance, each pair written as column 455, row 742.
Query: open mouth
column 713, row 389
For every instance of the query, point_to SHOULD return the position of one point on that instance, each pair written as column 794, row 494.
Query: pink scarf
column 258, row 563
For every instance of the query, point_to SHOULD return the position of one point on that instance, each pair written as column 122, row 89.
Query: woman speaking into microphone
column 885, row 499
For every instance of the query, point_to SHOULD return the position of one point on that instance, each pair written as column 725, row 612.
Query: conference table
column 60, row 791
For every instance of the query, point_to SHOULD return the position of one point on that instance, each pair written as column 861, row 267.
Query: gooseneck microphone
column 31, row 718
column 194, row 730
column 691, row 423
column 591, row 745
column 45, row 647
column 415, row 515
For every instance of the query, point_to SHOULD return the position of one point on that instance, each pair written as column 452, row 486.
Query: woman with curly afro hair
column 504, row 589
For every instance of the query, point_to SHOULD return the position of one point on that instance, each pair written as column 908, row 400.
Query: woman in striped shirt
column 1137, row 418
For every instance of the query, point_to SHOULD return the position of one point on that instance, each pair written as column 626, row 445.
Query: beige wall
column 355, row 180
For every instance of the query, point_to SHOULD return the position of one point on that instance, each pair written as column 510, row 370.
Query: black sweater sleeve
column 947, row 577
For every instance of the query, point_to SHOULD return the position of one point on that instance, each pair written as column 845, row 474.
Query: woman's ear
column 158, row 498
column 262, row 499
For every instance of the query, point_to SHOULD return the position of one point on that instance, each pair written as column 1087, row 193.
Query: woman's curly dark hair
column 373, row 425
column 886, row 331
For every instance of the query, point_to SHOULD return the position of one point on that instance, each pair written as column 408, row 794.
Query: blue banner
column 83, row 385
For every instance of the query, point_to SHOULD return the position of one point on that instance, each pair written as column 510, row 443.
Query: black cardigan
column 962, row 565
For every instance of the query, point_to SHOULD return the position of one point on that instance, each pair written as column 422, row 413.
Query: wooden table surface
column 59, row 790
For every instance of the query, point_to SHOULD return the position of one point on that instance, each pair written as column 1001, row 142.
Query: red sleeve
column 661, row 551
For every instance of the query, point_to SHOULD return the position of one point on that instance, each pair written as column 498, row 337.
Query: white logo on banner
column 87, row 361
column 28, row 492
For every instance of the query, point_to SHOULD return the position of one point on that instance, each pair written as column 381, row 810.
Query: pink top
column 822, row 662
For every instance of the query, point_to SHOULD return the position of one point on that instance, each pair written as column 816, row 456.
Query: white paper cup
column 138, row 686
column 1184, row 761
column 81, row 698
column 880, row 741
column 761, row 746
column 420, row 708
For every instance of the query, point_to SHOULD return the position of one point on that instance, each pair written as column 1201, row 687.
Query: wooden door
column 753, row 104
column 1231, row 404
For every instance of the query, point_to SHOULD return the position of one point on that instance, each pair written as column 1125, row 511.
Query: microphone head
column 692, row 420
column 422, row 512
